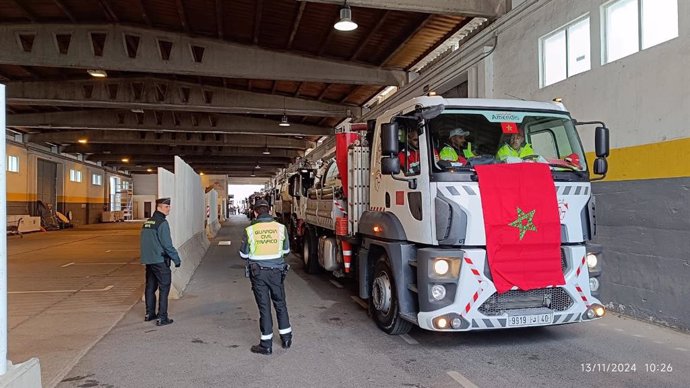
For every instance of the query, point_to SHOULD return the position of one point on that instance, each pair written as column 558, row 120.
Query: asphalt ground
column 337, row 345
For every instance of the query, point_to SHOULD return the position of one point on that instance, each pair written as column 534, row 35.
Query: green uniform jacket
column 156, row 242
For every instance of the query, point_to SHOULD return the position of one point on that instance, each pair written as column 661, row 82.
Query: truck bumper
column 477, row 305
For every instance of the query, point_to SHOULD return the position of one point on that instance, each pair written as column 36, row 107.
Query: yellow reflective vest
column 265, row 241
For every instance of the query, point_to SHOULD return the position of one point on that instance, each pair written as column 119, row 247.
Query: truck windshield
column 460, row 139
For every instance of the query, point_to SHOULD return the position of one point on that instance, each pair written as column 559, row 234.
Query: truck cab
column 423, row 257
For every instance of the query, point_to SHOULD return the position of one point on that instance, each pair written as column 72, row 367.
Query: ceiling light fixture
column 253, row 174
column 82, row 141
column 345, row 23
column 284, row 120
column 97, row 73
column 125, row 160
column 267, row 151
column 258, row 166
column 149, row 170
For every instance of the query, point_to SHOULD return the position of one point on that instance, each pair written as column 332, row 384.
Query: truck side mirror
column 601, row 166
column 390, row 165
column 389, row 139
column 601, row 142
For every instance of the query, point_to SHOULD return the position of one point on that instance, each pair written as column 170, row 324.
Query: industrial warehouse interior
column 467, row 193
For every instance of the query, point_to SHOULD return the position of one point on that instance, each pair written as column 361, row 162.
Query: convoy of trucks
column 454, row 245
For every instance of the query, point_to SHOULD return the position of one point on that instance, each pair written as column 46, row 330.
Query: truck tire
column 310, row 251
column 383, row 303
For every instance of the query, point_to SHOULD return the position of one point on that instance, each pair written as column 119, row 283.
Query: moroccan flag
column 522, row 225
column 509, row 127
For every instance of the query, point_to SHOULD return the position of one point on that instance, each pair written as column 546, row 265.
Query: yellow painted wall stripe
column 76, row 199
column 23, row 197
column 669, row 159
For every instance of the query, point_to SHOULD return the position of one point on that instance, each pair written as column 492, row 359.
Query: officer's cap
column 458, row 132
column 163, row 201
column 261, row 203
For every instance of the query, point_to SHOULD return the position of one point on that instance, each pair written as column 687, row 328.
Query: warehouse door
column 46, row 190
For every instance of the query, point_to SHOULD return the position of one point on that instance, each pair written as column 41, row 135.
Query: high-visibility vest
column 506, row 150
column 265, row 240
column 449, row 153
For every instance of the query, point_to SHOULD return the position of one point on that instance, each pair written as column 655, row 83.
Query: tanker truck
column 473, row 242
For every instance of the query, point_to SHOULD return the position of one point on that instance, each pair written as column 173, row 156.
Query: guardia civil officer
column 264, row 244
column 157, row 251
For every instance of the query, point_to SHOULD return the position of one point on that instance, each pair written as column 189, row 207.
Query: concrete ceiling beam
column 104, row 47
column 168, row 138
column 161, row 122
column 167, row 95
column 479, row 8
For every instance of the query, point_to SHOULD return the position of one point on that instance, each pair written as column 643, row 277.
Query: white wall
column 138, row 205
column 145, row 184
column 212, row 224
column 186, row 219
column 643, row 97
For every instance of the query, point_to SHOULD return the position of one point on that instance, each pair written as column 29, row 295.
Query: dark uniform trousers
column 267, row 285
column 158, row 277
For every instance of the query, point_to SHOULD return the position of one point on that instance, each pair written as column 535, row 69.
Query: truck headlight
column 593, row 284
column 592, row 260
column 438, row 292
column 441, row 267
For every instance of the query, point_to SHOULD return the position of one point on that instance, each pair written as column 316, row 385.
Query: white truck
column 417, row 241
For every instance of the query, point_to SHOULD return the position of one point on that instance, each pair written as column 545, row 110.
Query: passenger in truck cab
column 458, row 149
column 409, row 153
column 515, row 147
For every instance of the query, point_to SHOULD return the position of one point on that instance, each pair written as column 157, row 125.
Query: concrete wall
column 212, row 223
column 17, row 182
column 643, row 204
column 186, row 220
column 84, row 199
column 145, row 184
column 139, row 205
column 219, row 183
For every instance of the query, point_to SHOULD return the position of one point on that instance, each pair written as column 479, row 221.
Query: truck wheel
column 310, row 251
column 383, row 303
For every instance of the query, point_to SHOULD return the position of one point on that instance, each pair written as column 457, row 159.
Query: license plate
column 530, row 320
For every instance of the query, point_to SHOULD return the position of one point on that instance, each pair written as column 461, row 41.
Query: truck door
column 408, row 196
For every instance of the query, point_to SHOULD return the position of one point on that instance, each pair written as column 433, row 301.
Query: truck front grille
column 554, row 298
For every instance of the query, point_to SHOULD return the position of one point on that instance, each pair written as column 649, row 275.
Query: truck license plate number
column 530, row 320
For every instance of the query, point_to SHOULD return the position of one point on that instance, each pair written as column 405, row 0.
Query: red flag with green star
column 522, row 225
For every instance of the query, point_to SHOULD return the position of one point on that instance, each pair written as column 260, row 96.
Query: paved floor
column 67, row 289
column 336, row 344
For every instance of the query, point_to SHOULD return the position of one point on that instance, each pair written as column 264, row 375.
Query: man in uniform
column 157, row 251
column 457, row 149
column 264, row 244
column 515, row 148
column 409, row 155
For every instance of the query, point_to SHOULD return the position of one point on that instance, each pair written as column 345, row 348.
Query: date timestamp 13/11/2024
column 623, row 367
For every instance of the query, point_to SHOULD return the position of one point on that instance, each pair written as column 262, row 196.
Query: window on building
column 634, row 25
column 12, row 163
column 75, row 175
column 565, row 52
column 97, row 179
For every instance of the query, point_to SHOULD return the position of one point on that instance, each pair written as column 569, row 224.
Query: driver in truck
column 515, row 148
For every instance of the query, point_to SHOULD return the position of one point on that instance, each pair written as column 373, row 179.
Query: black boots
column 150, row 317
column 261, row 350
column 163, row 321
column 286, row 343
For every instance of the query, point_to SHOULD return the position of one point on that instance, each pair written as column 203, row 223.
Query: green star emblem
column 524, row 222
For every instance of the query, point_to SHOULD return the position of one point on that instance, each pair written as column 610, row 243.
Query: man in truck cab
column 409, row 153
column 515, row 147
column 458, row 149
